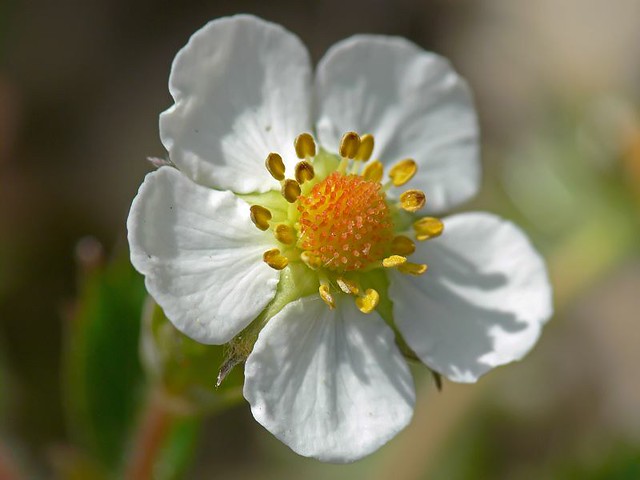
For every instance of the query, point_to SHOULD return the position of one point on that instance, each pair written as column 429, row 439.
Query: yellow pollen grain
column 369, row 301
column 349, row 145
column 275, row 259
column 402, row 172
column 285, row 234
column 304, row 172
column 373, row 171
column 402, row 245
column 348, row 286
column 412, row 200
column 326, row 296
column 393, row 261
column 412, row 268
column 260, row 216
column 275, row 166
column 428, row 227
column 305, row 146
column 366, row 147
column 290, row 190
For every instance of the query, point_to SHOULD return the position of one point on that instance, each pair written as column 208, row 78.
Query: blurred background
column 557, row 86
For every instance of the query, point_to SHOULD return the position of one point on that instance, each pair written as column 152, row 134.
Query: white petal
column 242, row 90
column 331, row 384
column 201, row 256
column 481, row 303
column 413, row 103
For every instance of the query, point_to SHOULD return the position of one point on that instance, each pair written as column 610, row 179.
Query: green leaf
column 103, row 372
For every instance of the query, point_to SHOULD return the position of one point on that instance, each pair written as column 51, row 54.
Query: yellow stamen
column 369, row 301
column 260, row 216
column 290, row 190
column 412, row 200
column 348, row 286
column 305, row 146
column 373, row 171
column 413, row 268
column 428, row 227
column 403, row 171
column 275, row 166
column 310, row 260
column 304, row 172
column 393, row 261
column 326, row 296
column 275, row 259
column 349, row 145
column 366, row 147
column 402, row 245
column 285, row 234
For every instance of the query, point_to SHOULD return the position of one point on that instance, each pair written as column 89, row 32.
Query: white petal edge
column 242, row 89
column 414, row 104
column 481, row 303
column 201, row 256
column 330, row 384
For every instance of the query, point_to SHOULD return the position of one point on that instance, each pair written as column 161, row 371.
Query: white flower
column 327, row 264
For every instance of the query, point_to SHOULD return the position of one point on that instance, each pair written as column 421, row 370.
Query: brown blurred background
column 557, row 85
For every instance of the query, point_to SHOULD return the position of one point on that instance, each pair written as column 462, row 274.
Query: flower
column 319, row 259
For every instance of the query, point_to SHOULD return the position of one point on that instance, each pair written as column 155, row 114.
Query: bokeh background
column 557, row 86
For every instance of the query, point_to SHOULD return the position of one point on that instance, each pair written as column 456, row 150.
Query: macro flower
column 299, row 224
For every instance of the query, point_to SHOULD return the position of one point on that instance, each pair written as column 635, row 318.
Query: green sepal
column 379, row 280
column 186, row 370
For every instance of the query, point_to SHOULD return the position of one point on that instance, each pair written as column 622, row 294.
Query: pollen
column 403, row 171
column 304, row 172
column 366, row 147
column 369, row 301
column 275, row 259
column 428, row 227
column 305, row 146
column 412, row 200
column 345, row 223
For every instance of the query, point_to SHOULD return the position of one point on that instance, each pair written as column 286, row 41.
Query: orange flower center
column 345, row 223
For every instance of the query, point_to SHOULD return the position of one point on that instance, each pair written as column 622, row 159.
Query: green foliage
column 103, row 372
column 186, row 369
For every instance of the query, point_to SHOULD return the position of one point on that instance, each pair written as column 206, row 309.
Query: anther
column 275, row 166
column 284, row 234
column 260, row 216
column 393, row 261
column 373, row 171
column 305, row 146
column 290, row 190
column 348, row 286
column 310, row 260
column 304, row 172
column 326, row 296
column 366, row 147
column 402, row 245
column 369, row 301
column 402, row 172
column 275, row 259
column 349, row 145
column 428, row 227
column 412, row 268
column 412, row 200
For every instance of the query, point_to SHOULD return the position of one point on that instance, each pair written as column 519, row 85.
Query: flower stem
column 149, row 437
column 8, row 469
